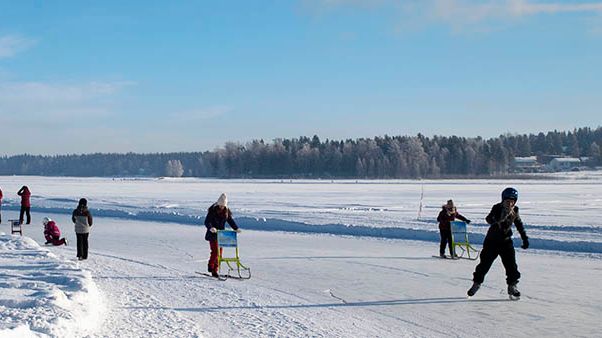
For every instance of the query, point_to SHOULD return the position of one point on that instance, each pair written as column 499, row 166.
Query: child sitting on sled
column 52, row 233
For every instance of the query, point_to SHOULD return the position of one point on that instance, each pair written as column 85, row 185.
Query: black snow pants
column 491, row 249
column 82, row 246
column 27, row 211
column 446, row 238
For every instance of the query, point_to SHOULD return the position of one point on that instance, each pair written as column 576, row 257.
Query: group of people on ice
column 498, row 241
column 81, row 218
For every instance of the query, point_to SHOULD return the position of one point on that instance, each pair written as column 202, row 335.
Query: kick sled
column 228, row 239
column 460, row 240
column 15, row 227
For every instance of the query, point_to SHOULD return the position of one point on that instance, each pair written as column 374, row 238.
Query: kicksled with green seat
column 460, row 240
column 228, row 239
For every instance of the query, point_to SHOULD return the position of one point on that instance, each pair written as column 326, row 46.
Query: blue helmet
column 510, row 194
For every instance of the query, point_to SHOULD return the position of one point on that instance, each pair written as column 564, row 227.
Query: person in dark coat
column 217, row 216
column 448, row 214
column 25, row 204
column 82, row 218
column 498, row 242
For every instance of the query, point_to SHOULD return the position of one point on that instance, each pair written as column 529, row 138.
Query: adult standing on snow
column 448, row 214
column 217, row 216
column 498, row 241
column 25, row 204
column 82, row 218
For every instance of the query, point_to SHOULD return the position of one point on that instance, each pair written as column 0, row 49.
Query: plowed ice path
column 324, row 286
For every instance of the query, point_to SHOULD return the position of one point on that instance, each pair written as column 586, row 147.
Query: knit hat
column 222, row 201
column 450, row 204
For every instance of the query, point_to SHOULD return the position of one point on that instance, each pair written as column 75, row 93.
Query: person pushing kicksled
column 217, row 216
column 498, row 241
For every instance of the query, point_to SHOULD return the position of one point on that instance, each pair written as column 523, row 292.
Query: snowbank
column 42, row 295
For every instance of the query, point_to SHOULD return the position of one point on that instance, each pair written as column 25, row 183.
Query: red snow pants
column 213, row 265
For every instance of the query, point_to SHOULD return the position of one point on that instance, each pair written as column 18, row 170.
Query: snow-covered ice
column 44, row 294
column 306, row 284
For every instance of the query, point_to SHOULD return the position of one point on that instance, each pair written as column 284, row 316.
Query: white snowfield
column 44, row 295
column 303, row 284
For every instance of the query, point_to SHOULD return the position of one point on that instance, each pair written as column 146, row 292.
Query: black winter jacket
column 501, row 221
column 444, row 219
column 217, row 219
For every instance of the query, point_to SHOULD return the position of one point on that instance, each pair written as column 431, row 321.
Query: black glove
column 525, row 243
column 467, row 221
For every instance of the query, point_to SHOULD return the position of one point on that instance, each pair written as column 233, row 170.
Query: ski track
column 139, row 307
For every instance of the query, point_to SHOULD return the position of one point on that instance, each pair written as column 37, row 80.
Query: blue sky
column 152, row 76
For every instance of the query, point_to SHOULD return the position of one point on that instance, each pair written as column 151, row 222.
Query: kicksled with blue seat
column 460, row 240
column 228, row 239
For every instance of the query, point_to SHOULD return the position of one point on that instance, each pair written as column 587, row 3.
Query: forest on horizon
column 386, row 157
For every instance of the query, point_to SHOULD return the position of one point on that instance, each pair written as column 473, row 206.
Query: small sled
column 460, row 240
column 15, row 227
column 227, row 239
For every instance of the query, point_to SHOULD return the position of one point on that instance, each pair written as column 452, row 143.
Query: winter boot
column 473, row 289
column 442, row 256
column 513, row 291
column 214, row 274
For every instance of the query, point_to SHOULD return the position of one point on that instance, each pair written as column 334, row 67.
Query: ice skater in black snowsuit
column 498, row 242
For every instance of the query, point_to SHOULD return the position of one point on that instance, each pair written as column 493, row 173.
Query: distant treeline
column 305, row 157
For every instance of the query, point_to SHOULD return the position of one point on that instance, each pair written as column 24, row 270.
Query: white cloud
column 51, row 103
column 10, row 45
column 462, row 13
column 455, row 11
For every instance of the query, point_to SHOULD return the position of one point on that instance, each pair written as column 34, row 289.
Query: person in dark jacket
column 0, row 205
column 448, row 214
column 217, row 216
column 25, row 204
column 498, row 242
column 82, row 218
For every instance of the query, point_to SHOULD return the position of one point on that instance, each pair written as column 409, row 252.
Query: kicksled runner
column 236, row 270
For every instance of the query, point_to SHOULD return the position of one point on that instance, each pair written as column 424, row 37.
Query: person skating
column 52, row 233
column 82, row 218
column 25, row 204
column 448, row 214
column 498, row 242
column 217, row 216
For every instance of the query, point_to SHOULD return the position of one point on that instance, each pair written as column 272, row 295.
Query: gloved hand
column 213, row 230
column 468, row 221
column 238, row 230
column 525, row 243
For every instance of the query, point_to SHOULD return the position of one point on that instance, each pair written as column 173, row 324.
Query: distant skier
column 448, row 214
column 52, row 233
column 217, row 216
column 82, row 218
column 25, row 204
column 498, row 241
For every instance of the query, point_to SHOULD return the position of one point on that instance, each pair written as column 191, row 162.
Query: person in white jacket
column 82, row 218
